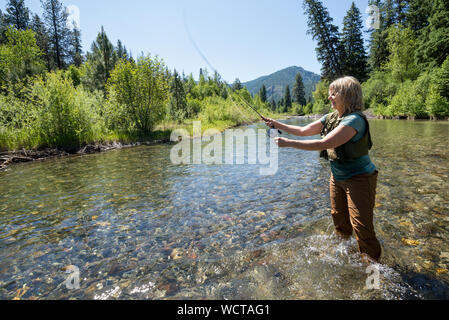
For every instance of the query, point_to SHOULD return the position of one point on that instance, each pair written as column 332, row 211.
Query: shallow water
column 138, row 227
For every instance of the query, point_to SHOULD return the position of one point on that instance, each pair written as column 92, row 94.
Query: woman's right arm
column 309, row 130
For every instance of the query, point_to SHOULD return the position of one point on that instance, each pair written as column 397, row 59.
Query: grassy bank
column 53, row 113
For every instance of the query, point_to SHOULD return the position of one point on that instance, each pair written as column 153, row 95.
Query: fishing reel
column 272, row 131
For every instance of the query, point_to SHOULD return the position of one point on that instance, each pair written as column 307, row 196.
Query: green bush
column 401, row 101
column 20, row 58
column 437, row 106
column 379, row 109
column 217, row 109
column 16, row 120
column 441, row 79
column 297, row 109
column 308, row 109
column 379, row 89
column 65, row 116
column 140, row 92
column 321, row 93
column 321, row 108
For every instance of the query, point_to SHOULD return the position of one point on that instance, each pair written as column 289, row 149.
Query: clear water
column 139, row 227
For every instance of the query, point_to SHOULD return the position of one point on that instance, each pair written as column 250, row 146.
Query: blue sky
column 242, row 39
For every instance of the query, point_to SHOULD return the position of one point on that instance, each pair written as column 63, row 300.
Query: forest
column 405, row 69
column 52, row 94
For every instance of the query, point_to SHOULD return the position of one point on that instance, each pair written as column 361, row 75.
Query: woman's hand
column 282, row 142
column 270, row 122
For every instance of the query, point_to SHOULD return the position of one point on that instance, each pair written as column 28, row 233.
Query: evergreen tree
column 329, row 49
column 433, row 43
column 377, row 42
column 190, row 85
column 418, row 13
column 77, row 51
column 299, row 94
column 401, row 8
column 102, row 60
column 378, row 48
column 224, row 91
column 3, row 25
column 17, row 14
column 122, row 53
column 42, row 40
column 263, row 94
column 60, row 37
column 202, row 79
column 178, row 102
column 273, row 105
column 287, row 99
column 237, row 85
column 355, row 63
column 389, row 13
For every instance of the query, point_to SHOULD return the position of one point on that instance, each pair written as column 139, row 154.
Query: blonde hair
column 350, row 90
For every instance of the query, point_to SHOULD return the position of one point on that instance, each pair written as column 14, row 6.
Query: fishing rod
column 215, row 71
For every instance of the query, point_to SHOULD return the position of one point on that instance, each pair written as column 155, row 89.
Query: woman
column 346, row 142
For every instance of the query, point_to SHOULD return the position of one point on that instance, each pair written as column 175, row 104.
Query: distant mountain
column 276, row 82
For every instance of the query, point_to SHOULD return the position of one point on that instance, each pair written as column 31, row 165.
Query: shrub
column 20, row 57
column 436, row 105
column 308, row 109
column 140, row 91
column 65, row 116
column 379, row 89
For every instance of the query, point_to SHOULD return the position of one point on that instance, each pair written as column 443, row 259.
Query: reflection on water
column 139, row 227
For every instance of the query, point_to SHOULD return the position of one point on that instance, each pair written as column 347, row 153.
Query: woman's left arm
column 341, row 135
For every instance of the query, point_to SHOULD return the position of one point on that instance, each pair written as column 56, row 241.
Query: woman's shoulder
column 354, row 120
column 356, row 116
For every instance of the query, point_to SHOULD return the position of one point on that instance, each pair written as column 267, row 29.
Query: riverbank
column 8, row 158
column 161, row 136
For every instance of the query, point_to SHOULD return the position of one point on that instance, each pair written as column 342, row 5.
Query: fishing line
column 216, row 72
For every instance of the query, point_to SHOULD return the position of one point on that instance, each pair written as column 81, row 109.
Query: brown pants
column 352, row 204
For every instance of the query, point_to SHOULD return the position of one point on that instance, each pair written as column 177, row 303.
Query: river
column 133, row 225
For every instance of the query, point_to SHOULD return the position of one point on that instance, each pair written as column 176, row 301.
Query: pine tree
column 122, row 53
column 77, row 51
column 433, row 43
column 389, row 13
column 42, row 40
column 299, row 94
column 355, row 63
column 17, row 14
column 263, row 94
column 178, row 102
column 55, row 18
column 202, row 78
column 329, row 49
column 287, row 99
column 273, row 105
column 401, row 8
column 378, row 50
column 2, row 28
column 417, row 16
column 190, row 85
column 237, row 85
column 102, row 59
